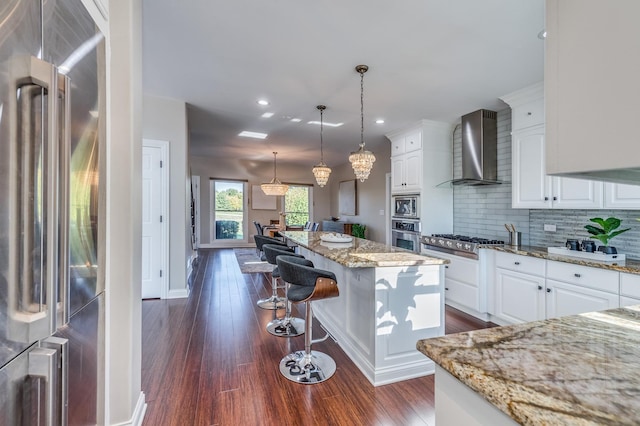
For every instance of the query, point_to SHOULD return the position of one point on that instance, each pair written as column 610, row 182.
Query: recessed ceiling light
column 263, row 102
column 380, row 121
column 267, row 115
column 326, row 124
column 255, row 135
column 296, row 120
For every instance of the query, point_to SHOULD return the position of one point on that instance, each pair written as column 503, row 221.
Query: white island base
column 380, row 315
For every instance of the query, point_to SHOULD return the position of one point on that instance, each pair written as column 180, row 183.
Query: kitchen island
column 581, row 369
column 389, row 299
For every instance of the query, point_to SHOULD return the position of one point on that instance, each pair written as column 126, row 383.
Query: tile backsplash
column 482, row 211
column 570, row 225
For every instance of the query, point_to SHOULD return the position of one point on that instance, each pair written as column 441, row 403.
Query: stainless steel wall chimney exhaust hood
column 479, row 149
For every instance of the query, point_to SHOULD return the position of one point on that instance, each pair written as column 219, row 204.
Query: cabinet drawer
column 528, row 114
column 462, row 293
column 463, row 270
column 522, row 264
column 628, row 301
column 630, row 285
column 412, row 142
column 598, row 279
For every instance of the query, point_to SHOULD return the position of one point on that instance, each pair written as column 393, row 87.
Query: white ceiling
column 433, row 59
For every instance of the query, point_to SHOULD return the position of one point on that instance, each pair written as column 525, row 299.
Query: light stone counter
column 576, row 370
column 359, row 253
column 631, row 266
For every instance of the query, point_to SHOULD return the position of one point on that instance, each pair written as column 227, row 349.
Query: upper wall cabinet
column 406, row 162
column 531, row 187
column 592, row 89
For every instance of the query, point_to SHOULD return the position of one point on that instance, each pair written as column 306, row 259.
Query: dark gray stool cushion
column 302, row 276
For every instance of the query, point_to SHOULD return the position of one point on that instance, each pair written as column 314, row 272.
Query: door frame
column 164, row 232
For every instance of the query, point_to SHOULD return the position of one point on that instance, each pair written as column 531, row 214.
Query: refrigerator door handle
column 61, row 345
column 34, row 196
column 64, row 120
column 43, row 363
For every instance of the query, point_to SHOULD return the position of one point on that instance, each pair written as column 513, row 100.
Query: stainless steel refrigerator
column 52, row 112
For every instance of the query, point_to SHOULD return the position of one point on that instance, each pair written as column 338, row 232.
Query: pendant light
column 275, row 187
column 321, row 171
column 362, row 160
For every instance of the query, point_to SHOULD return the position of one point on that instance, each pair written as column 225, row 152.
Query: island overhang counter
column 389, row 299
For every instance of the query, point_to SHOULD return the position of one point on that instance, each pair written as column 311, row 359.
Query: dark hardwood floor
column 208, row 360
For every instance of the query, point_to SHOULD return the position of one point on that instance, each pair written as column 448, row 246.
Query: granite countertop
column 631, row 266
column 360, row 253
column 576, row 370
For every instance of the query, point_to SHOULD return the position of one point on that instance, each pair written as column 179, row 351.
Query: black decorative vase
column 608, row 249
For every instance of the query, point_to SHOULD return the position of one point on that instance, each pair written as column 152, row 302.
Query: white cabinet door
column 569, row 193
column 397, row 174
column 566, row 299
column 531, row 187
column 621, row 196
column 413, row 171
column 518, row 297
column 406, row 172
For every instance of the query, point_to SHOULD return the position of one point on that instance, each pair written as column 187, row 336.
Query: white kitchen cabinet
column 621, row 196
column 518, row 292
column 532, row 188
column 518, row 297
column 629, row 289
column 463, row 289
column 421, row 159
column 564, row 299
column 529, row 289
column 591, row 87
column 406, row 172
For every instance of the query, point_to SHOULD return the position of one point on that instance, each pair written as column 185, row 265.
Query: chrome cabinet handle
column 61, row 345
column 577, row 275
column 516, row 263
column 546, row 198
column 539, row 287
column 548, row 290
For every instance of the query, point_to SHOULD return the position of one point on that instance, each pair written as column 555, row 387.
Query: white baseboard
column 239, row 245
column 178, row 294
column 138, row 413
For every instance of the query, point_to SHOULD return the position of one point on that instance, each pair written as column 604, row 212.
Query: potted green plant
column 358, row 230
column 605, row 232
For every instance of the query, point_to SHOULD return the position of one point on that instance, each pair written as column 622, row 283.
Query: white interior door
column 154, row 220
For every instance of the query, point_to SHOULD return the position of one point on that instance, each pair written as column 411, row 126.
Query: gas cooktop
column 458, row 244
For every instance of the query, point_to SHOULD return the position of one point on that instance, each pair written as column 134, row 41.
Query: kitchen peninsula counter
column 389, row 299
column 581, row 369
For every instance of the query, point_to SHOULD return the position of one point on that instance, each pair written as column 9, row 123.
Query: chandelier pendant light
column 321, row 171
column 275, row 187
column 362, row 160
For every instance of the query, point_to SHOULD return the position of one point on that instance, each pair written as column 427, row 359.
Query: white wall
column 371, row 194
column 124, row 213
column 255, row 172
column 166, row 119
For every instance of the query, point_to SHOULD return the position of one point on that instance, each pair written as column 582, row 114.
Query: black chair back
column 272, row 251
column 258, row 227
column 262, row 240
column 315, row 226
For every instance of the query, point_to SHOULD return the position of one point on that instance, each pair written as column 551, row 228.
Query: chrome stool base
column 307, row 369
column 272, row 303
column 286, row 327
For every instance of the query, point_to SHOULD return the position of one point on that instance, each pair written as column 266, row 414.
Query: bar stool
column 307, row 284
column 272, row 302
column 262, row 240
column 286, row 326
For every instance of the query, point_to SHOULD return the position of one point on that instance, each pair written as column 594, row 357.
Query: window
column 228, row 217
column 296, row 205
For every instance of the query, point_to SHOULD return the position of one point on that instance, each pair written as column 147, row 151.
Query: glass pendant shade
column 275, row 187
column 321, row 171
column 362, row 163
column 362, row 160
